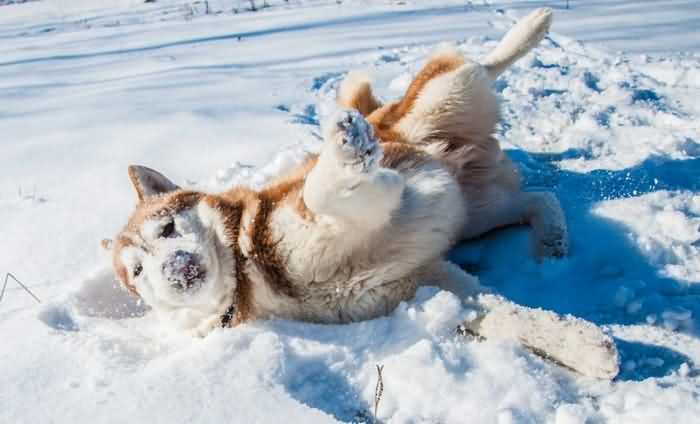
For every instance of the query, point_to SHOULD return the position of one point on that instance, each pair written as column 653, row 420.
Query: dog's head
column 174, row 252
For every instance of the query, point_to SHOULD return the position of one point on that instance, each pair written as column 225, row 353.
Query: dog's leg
column 544, row 214
column 571, row 342
column 347, row 182
column 498, row 208
column 448, row 276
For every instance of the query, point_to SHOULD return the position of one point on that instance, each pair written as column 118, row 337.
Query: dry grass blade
column 4, row 286
column 378, row 390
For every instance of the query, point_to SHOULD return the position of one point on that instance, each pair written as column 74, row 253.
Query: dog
column 355, row 229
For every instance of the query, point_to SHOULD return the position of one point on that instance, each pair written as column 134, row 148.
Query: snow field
column 216, row 100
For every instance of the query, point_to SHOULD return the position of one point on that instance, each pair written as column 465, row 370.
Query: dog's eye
column 168, row 230
column 137, row 270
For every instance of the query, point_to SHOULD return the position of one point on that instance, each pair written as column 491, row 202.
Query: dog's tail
column 522, row 38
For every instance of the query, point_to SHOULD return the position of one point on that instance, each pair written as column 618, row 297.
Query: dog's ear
column 148, row 182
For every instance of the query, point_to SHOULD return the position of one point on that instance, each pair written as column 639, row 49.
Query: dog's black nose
column 183, row 269
column 183, row 256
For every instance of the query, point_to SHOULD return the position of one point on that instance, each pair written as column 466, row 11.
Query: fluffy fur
column 353, row 231
column 573, row 343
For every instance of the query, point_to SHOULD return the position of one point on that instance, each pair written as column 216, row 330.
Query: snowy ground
column 217, row 99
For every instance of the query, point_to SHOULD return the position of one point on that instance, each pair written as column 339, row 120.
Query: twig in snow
column 4, row 286
column 29, row 196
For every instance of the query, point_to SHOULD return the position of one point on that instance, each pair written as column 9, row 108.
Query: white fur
column 375, row 230
column 525, row 35
column 347, row 182
column 353, row 82
column 574, row 343
column 460, row 106
column 376, row 233
column 460, row 102
column 200, row 232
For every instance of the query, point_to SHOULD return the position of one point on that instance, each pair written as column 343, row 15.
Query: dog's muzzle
column 184, row 270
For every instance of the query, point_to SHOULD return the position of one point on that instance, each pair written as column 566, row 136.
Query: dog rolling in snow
column 353, row 231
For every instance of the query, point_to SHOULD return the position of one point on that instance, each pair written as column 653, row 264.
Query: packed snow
column 604, row 113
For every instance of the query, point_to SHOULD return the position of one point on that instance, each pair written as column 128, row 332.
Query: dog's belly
column 351, row 301
column 344, row 274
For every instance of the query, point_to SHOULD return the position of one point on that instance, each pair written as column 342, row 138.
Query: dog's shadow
column 98, row 295
column 604, row 274
column 606, row 279
column 320, row 387
column 640, row 361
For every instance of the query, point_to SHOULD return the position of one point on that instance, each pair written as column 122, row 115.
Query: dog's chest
column 333, row 277
column 320, row 255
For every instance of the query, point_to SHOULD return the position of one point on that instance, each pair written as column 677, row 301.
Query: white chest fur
column 344, row 271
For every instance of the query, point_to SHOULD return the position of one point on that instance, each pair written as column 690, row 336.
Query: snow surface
column 218, row 99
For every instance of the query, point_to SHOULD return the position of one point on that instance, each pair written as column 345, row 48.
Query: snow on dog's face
column 173, row 252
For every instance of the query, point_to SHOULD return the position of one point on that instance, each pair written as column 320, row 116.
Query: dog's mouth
column 187, row 286
column 184, row 271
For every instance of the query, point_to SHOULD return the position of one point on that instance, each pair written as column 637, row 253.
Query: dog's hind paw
column 552, row 244
column 353, row 140
column 573, row 343
column 551, row 238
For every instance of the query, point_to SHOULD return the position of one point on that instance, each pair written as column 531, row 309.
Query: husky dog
column 354, row 230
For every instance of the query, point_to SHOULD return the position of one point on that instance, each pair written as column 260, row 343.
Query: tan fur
column 355, row 92
column 147, row 207
column 264, row 248
column 288, row 188
column 403, row 154
column 247, row 213
column 341, row 237
column 232, row 213
column 233, row 205
column 385, row 118
column 119, row 268
column 465, row 145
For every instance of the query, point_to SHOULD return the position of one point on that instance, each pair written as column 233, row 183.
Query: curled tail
column 451, row 98
column 524, row 36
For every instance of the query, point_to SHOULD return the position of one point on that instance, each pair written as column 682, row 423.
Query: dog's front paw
column 352, row 138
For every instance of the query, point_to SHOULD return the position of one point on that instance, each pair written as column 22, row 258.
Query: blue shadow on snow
column 606, row 279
